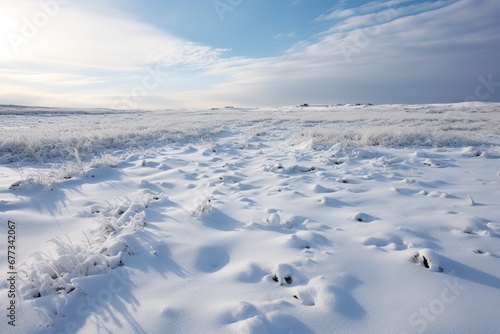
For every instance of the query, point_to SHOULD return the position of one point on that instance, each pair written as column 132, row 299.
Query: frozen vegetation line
column 45, row 134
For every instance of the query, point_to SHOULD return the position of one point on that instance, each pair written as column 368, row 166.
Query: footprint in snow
column 247, row 318
column 250, row 273
column 386, row 242
column 305, row 240
column 334, row 294
column 363, row 217
column 307, row 295
column 480, row 227
column 321, row 190
column 435, row 194
column 210, row 259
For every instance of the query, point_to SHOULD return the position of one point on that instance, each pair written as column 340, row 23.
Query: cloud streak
column 432, row 52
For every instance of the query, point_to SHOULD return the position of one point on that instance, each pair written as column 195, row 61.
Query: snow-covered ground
column 340, row 219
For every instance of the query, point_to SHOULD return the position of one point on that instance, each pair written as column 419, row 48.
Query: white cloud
column 82, row 44
column 78, row 36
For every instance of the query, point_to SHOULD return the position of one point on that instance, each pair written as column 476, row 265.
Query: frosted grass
column 47, row 134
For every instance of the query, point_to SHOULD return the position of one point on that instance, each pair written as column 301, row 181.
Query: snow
column 369, row 219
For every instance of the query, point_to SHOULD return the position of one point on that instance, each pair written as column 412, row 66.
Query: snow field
column 251, row 230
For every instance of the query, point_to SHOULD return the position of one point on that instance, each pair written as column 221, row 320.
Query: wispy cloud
column 187, row 55
column 285, row 35
column 430, row 52
column 377, row 13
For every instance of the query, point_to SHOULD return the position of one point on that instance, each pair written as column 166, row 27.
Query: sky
column 130, row 54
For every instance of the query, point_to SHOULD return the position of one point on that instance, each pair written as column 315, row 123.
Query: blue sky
column 204, row 53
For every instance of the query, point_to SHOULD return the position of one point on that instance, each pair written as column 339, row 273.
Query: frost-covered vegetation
column 42, row 134
column 103, row 250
